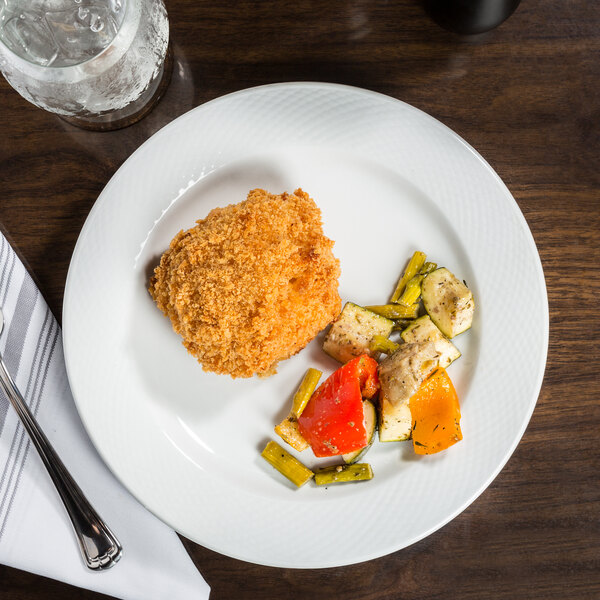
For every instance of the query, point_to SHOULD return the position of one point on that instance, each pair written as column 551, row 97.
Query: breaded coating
column 251, row 284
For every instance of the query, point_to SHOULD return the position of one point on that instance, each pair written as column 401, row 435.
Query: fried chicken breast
column 251, row 284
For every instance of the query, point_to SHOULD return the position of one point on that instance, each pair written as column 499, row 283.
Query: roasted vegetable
column 288, row 431
column 424, row 329
column 435, row 413
column 415, row 264
column 401, row 324
column 401, row 373
column 427, row 268
column 344, row 474
column 394, row 420
column 400, row 376
column 370, row 420
column 352, row 332
column 412, row 292
column 395, row 311
column 448, row 302
column 383, row 344
column 305, row 391
column 286, row 464
column 333, row 420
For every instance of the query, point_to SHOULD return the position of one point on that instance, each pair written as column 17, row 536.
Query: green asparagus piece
column 344, row 473
column 305, row 391
column 427, row 268
column 414, row 266
column 395, row 311
column 286, row 464
column 412, row 291
column 380, row 343
column 401, row 324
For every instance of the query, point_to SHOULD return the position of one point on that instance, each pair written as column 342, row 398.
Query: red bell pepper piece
column 333, row 420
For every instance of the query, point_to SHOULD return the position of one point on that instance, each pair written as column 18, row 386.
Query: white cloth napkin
column 35, row 531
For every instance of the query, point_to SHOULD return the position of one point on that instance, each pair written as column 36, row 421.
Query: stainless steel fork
column 99, row 546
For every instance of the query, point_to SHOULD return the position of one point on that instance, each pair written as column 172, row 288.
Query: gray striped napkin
column 35, row 531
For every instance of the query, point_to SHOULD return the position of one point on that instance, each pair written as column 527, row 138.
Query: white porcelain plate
column 389, row 180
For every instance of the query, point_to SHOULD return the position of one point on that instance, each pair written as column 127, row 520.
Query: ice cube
column 116, row 5
column 81, row 32
column 28, row 35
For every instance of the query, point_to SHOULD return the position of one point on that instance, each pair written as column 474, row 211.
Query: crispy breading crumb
column 251, row 284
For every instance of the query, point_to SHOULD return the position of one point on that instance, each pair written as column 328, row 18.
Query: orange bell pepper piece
column 435, row 413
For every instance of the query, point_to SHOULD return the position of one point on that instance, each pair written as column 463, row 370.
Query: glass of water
column 99, row 64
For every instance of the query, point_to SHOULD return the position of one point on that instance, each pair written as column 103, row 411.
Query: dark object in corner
column 468, row 17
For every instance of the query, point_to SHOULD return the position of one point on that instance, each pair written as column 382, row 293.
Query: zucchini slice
column 371, row 426
column 394, row 420
column 424, row 329
column 352, row 332
column 448, row 301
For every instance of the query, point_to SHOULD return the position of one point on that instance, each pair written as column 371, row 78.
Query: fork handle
column 99, row 546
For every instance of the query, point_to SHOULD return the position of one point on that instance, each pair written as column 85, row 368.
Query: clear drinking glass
column 99, row 64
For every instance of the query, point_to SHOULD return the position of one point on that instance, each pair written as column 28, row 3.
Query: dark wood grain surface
column 526, row 95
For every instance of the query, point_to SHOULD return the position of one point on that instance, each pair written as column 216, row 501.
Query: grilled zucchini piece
column 395, row 420
column 424, row 329
column 371, row 427
column 352, row 332
column 448, row 301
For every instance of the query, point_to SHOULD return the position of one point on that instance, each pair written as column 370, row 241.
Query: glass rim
column 62, row 68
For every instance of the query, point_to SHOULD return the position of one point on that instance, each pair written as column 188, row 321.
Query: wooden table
column 526, row 95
